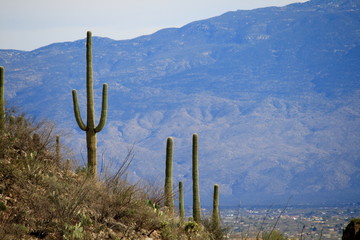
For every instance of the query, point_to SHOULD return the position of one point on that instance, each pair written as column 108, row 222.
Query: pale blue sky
column 30, row 24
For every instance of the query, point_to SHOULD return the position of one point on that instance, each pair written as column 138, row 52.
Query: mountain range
column 273, row 93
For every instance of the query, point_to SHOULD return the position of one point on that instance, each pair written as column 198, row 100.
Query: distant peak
column 334, row 3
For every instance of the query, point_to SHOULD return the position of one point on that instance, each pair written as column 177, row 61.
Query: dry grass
column 43, row 198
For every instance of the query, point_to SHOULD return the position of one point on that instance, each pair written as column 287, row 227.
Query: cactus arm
column 104, row 109
column 77, row 111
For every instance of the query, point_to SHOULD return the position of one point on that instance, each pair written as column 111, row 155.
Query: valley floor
column 295, row 223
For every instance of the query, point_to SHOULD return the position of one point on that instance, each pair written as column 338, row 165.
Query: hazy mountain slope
column 273, row 93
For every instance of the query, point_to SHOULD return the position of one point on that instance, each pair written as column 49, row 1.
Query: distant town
column 304, row 222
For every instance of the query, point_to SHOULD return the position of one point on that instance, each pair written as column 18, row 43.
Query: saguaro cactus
column 181, row 202
column 57, row 148
column 195, row 179
column 2, row 98
column 90, row 128
column 169, row 200
column 216, row 213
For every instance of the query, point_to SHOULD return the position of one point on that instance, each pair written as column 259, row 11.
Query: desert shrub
column 37, row 193
column 73, row 232
column 215, row 232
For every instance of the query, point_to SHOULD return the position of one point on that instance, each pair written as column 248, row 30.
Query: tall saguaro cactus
column 169, row 201
column 2, row 98
column 90, row 127
column 195, row 179
column 181, row 202
column 216, row 213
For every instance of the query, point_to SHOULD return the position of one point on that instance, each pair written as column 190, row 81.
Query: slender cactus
column 169, row 200
column 181, row 203
column 36, row 142
column 195, row 178
column 90, row 128
column 57, row 148
column 2, row 98
column 68, row 165
column 216, row 213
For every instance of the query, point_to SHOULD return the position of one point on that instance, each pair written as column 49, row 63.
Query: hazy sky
column 30, row 24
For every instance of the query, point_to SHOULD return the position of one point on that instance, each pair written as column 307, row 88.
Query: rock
column 352, row 230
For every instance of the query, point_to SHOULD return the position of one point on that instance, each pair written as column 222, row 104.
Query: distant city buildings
column 325, row 223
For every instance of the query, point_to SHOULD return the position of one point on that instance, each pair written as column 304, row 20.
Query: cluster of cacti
column 90, row 127
column 91, row 131
column 2, row 98
column 195, row 179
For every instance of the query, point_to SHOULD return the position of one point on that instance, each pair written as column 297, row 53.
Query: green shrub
column 73, row 232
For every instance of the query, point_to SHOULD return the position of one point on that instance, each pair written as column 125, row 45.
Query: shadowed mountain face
column 273, row 93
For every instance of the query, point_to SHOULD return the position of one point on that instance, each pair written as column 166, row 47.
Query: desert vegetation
column 46, row 195
column 43, row 196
